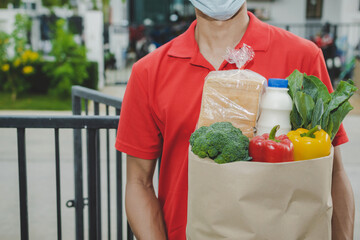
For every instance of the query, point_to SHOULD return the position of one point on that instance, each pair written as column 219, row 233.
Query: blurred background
column 48, row 46
column 116, row 33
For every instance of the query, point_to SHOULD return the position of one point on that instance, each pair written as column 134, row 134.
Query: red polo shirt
column 162, row 102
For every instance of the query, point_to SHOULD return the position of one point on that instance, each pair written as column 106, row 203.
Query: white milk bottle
column 275, row 107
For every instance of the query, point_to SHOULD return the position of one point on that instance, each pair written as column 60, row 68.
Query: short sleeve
column 138, row 134
column 318, row 68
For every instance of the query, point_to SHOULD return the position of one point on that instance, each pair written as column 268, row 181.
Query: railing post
column 24, row 221
column 78, row 174
column 108, row 178
column 335, row 32
column 58, row 184
column 93, row 188
column 130, row 235
column 119, row 183
column 98, row 173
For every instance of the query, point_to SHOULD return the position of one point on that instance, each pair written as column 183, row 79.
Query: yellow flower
column 34, row 56
column 27, row 69
column 29, row 55
column 25, row 55
column 17, row 62
column 5, row 67
column 4, row 41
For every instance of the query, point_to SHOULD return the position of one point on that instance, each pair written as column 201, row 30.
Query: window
column 314, row 9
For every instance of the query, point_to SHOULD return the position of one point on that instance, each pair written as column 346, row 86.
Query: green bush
column 17, row 68
column 54, row 3
column 41, row 82
column 4, row 44
column 70, row 64
column 4, row 3
column 93, row 76
column 2, row 80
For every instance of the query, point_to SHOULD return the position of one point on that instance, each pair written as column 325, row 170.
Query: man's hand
column 142, row 207
column 343, row 201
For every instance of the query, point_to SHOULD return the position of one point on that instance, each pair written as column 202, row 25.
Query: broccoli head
column 221, row 142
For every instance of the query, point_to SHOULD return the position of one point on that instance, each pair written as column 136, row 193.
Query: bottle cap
column 278, row 82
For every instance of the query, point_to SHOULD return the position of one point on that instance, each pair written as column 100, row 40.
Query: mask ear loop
column 241, row 57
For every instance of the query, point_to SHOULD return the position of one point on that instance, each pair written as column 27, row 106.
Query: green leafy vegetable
column 314, row 105
column 295, row 118
column 318, row 112
column 305, row 106
column 338, row 116
column 342, row 93
column 295, row 82
column 316, row 88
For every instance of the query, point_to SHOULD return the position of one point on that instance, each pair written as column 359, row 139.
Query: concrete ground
column 41, row 171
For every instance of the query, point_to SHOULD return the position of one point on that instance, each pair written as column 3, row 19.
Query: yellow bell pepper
column 309, row 144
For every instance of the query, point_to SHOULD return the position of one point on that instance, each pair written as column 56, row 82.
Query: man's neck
column 214, row 37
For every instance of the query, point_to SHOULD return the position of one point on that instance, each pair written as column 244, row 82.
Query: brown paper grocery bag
column 255, row 201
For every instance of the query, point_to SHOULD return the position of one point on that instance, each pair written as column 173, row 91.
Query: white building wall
column 93, row 32
column 7, row 20
column 289, row 11
column 332, row 11
column 350, row 14
column 118, row 32
column 7, row 23
column 294, row 11
column 283, row 11
column 350, row 11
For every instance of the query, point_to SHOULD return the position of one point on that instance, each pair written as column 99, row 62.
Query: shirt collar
column 257, row 36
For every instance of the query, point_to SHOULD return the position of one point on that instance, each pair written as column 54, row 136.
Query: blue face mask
column 218, row 9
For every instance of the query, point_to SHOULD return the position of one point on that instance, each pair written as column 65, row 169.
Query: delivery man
column 162, row 103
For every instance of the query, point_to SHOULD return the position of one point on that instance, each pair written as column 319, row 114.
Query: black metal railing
column 93, row 123
column 80, row 105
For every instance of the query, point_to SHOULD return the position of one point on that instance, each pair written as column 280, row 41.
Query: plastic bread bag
column 233, row 95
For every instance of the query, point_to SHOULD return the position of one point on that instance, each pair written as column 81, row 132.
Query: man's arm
column 343, row 201
column 142, row 207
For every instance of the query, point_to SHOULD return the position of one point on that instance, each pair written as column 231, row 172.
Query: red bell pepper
column 268, row 148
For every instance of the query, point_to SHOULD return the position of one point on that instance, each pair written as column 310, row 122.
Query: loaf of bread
column 232, row 96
